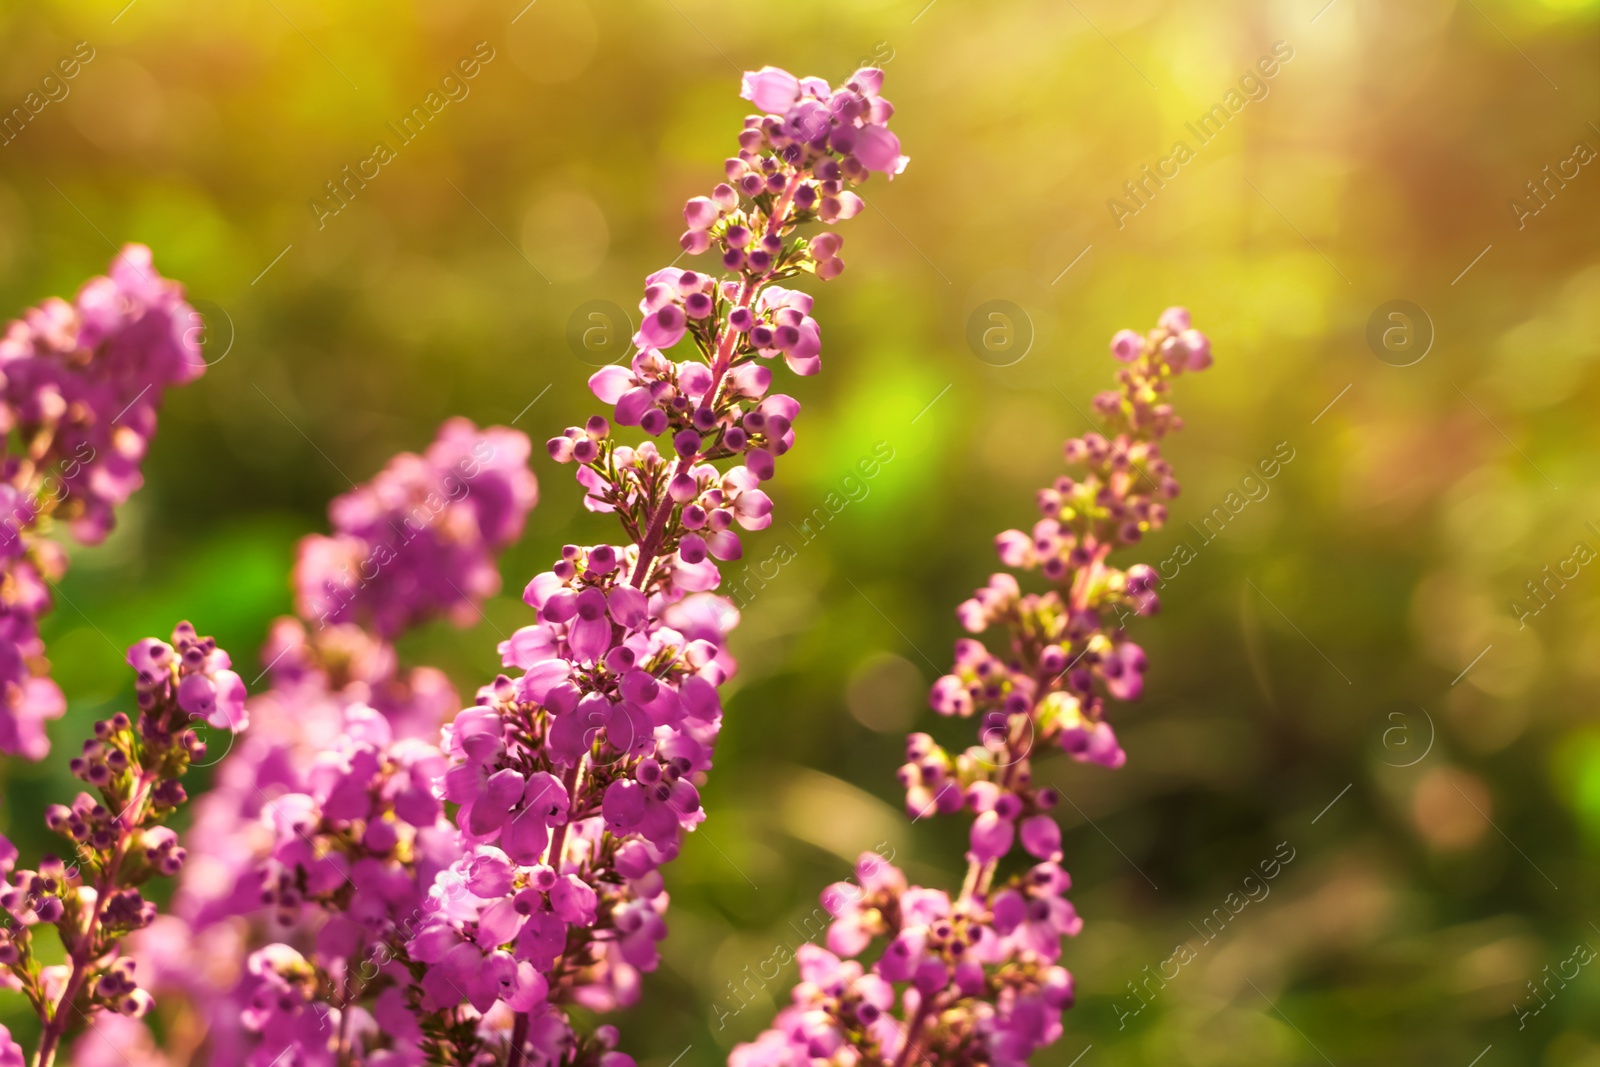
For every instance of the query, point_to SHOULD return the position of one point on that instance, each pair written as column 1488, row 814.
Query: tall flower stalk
column 267, row 888
column 134, row 766
column 573, row 783
column 973, row 977
column 80, row 385
column 577, row 780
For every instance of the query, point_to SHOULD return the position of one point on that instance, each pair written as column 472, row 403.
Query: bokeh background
column 1344, row 668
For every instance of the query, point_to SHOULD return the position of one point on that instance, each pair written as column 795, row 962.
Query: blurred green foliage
column 1309, row 652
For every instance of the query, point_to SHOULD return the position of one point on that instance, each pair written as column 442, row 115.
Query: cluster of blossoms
column 117, row 838
column 975, row 978
column 577, row 779
column 379, row 877
column 429, row 525
column 323, row 823
column 568, row 785
column 80, row 384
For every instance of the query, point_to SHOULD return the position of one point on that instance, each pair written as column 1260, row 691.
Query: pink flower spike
column 539, row 826
column 1025, row 691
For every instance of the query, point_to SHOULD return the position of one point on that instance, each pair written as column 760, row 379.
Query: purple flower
column 991, row 837
column 216, row 696
column 770, row 89
column 1127, row 346
column 134, row 765
column 89, row 377
column 1041, row 837
column 589, row 632
column 488, row 810
column 27, row 701
column 1198, row 348
column 985, row 961
column 663, row 328
column 879, row 150
column 574, row 777
column 419, row 539
column 80, row 385
column 701, row 213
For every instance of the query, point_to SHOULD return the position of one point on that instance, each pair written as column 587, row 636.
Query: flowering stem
column 1065, row 661
column 558, row 835
column 658, row 525
column 51, row 1036
column 343, row 1051
column 914, row 1031
column 82, row 952
column 519, row 1037
column 650, row 545
column 616, row 716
